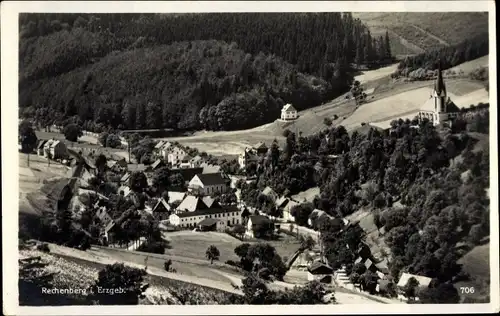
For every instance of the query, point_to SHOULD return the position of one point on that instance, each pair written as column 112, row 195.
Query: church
column 439, row 109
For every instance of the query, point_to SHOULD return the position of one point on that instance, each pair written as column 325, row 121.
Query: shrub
column 153, row 247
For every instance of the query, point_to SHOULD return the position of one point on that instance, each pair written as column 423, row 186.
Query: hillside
column 186, row 85
column 418, row 31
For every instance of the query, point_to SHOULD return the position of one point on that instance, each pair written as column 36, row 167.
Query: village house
column 257, row 220
column 184, row 162
column 165, row 149
column 319, row 271
column 124, row 190
column 423, row 283
column 157, row 148
column 175, row 156
column 117, row 165
column 109, row 233
column 56, row 148
column 269, row 192
column 208, row 183
column 287, row 211
column 227, row 216
column 252, row 154
column 439, row 109
column 195, row 162
column 288, row 112
column 162, row 210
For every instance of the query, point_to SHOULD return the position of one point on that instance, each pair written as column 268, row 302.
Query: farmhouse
column 165, row 149
column 227, row 216
column 439, row 108
column 196, row 161
column 161, row 210
column 320, row 271
column 288, row 112
column 184, row 161
column 255, row 222
column 155, row 165
column 208, row 183
column 124, row 179
column 175, row 156
column 423, row 282
column 158, row 147
column 56, row 149
column 124, row 190
column 252, row 154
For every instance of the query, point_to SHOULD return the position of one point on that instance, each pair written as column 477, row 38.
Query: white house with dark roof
column 196, row 161
column 288, row 112
column 255, row 220
column 228, row 216
column 176, row 155
column 39, row 147
column 208, row 183
column 56, row 148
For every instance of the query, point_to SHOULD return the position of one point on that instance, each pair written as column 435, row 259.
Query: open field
column 472, row 65
column 31, row 180
column 194, row 244
column 376, row 74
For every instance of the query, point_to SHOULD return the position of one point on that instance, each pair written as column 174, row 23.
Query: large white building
column 208, row 183
column 227, row 216
column 439, row 108
column 288, row 112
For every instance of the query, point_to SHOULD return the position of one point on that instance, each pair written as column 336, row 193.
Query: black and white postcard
column 266, row 157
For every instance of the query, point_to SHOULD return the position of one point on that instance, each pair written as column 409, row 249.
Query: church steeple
column 439, row 87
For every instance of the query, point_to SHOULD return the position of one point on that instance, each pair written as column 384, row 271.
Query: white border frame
column 9, row 97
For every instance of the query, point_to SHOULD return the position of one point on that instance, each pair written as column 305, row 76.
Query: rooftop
column 288, row 108
column 259, row 219
column 422, row 280
column 211, row 178
column 209, row 211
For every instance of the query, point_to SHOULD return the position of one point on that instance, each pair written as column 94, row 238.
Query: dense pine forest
column 197, row 70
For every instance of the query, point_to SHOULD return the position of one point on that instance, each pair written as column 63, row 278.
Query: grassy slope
column 424, row 31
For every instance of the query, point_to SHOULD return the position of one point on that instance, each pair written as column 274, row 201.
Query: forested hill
column 308, row 40
column 186, row 71
column 185, row 85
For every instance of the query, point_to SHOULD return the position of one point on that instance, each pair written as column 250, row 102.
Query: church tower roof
column 439, row 86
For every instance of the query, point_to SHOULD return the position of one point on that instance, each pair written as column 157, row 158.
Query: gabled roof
column 163, row 203
column 41, row 143
column 191, row 204
column 320, row 268
column 166, row 145
column 157, row 163
column 176, row 196
column 159, row 144
column 187, row 173
column 210, row 202
column 368, row 263
column 211, row 178
column 282, row 201
column 209, row 211
column 110, row 163
column 48, row 143
column 259, row 219
column 288, row 108
column 109, row 226
column 55, row 143
column 269, row 192
column 422, row 280
column 125, row 177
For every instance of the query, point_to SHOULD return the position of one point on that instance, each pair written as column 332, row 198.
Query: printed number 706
column 466, row 290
